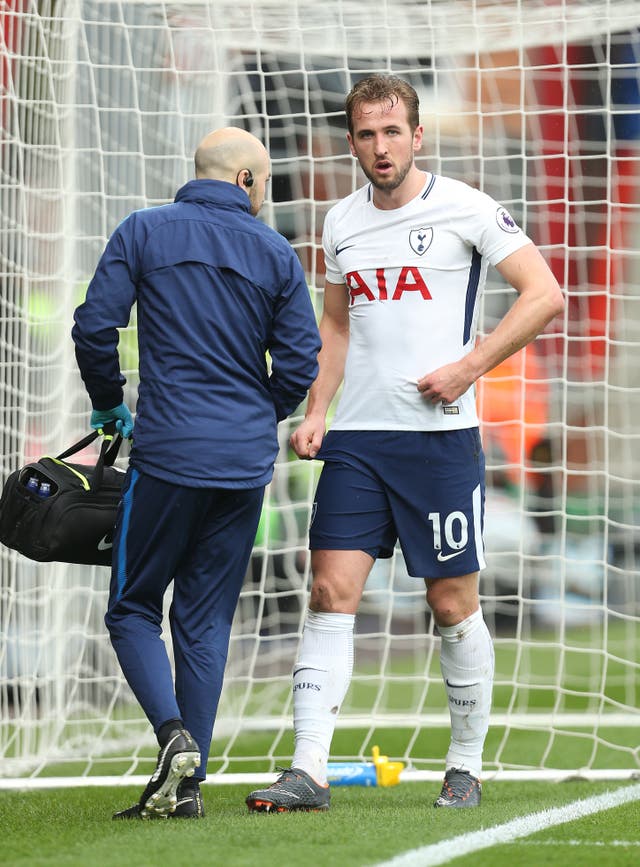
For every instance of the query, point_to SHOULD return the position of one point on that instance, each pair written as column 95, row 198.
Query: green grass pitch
column 365, row 826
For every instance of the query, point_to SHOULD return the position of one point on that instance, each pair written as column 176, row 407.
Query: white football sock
column 321, row 677
column 467, row 665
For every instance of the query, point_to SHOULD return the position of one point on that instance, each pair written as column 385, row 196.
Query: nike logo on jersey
column 105, row 543
column 343, row 248
column 444, row 557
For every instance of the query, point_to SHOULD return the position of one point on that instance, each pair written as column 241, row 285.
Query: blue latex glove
column 119, row 414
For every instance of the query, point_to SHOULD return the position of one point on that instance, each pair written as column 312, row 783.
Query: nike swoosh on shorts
column 443, row 557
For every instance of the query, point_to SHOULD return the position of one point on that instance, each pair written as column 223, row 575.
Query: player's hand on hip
column 446, row 384
column 119, row 414
column 307, row 438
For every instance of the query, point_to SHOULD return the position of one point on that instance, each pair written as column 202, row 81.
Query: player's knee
column 338, row 580
column 331, row 598
column 443, row 608
column 450, row 603
column 323, row 596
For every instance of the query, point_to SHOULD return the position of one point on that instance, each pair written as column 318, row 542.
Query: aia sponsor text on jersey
column 385, row 284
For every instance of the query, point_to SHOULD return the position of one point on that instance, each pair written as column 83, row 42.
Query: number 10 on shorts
column 455, row 528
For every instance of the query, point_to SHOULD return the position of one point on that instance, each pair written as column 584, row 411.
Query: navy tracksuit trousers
column 201, row 539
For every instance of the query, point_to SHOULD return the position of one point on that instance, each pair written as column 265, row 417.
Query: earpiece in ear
column 248, row 181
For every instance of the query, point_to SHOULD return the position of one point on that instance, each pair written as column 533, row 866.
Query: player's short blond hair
column 383, row 88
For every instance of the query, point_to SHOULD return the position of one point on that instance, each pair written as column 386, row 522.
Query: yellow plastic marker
column 379, row 772
column 387, row 773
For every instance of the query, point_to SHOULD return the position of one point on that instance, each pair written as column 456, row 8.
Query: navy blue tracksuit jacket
column 215, row 290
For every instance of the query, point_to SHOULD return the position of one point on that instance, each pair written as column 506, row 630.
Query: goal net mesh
column 536, row 103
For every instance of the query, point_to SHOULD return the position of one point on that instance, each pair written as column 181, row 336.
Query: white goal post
column 537, row 103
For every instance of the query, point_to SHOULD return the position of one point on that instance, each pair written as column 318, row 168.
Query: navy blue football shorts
column 424, row 489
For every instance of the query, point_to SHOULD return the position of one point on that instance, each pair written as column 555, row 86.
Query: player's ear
column 350, row 142
column 417, row 138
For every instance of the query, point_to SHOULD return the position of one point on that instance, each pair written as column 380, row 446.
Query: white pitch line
column 447, row 850
column 605, row 844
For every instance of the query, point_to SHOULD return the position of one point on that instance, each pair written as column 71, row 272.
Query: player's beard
column 393, row 182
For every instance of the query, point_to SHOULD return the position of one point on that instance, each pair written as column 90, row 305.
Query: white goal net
column 537, row 103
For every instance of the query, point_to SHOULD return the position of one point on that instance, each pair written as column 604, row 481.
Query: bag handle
column 108, row 451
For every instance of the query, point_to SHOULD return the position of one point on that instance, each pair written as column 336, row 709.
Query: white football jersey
column 414, row 276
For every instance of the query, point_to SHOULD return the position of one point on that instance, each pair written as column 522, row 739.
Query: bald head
column 224, row 153
column 235, row 156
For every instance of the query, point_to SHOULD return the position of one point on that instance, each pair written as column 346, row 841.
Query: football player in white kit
column 406, row 259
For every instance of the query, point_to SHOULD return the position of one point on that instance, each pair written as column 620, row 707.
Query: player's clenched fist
column 307, row 438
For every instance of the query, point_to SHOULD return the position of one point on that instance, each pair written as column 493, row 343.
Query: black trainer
column 189, row 804
column 459, row 789
column 293, row 790
column 177, row 760
column 134, row 812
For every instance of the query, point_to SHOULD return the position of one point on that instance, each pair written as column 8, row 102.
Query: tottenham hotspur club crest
column 420, row 240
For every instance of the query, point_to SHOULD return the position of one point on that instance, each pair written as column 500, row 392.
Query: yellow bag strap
column 83, row 479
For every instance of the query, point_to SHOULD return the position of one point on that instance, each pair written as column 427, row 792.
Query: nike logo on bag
column 442, row 557
column 105, row 543
column 342, row 249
